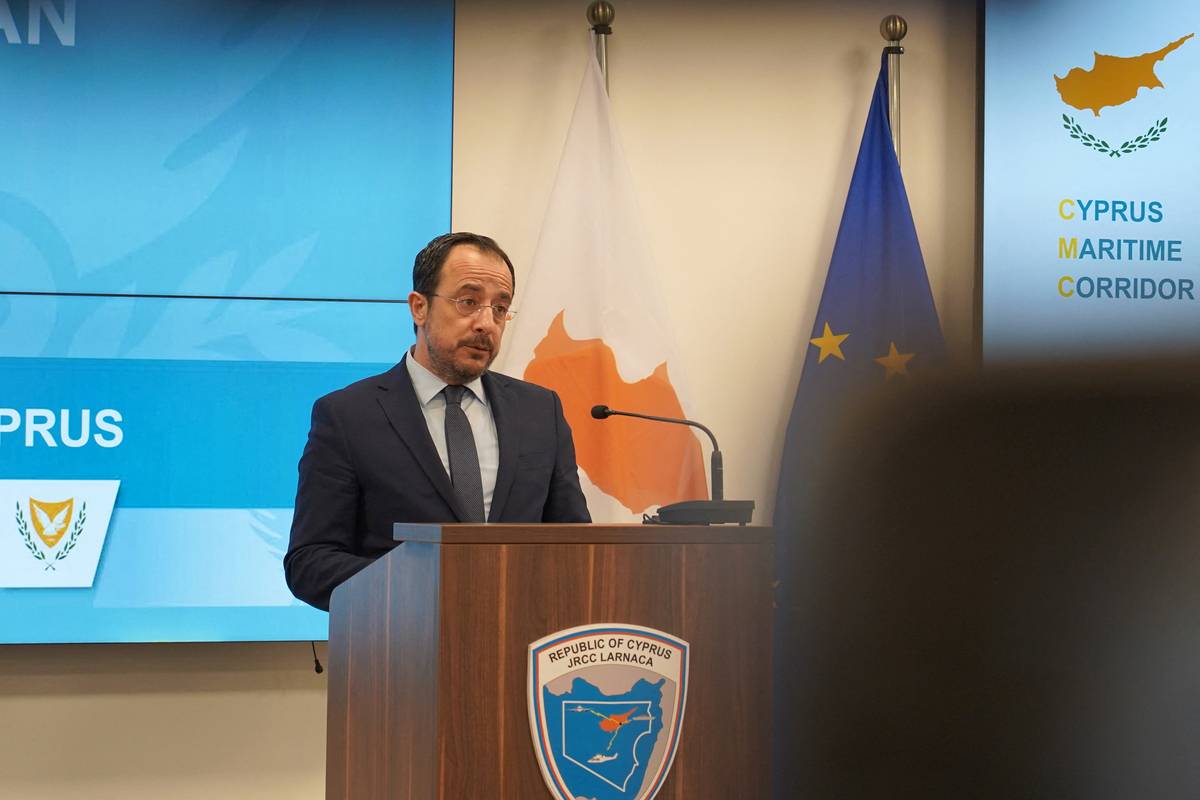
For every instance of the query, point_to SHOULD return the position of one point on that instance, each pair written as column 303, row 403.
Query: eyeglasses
column 469, row 307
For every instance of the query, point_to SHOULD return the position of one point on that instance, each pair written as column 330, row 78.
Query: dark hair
column 427, row 267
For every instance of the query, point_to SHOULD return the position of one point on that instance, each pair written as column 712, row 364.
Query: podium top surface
column 581, row 533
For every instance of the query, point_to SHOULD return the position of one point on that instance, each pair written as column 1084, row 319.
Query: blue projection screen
column 208, row 214
column 1092, row 114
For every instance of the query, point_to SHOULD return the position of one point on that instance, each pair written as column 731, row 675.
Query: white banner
column 52, row 532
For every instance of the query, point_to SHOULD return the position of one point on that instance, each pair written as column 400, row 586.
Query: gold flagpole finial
column 600, row 15
column 893, row 28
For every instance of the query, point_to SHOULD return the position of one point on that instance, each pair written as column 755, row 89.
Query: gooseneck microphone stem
column 717, row 462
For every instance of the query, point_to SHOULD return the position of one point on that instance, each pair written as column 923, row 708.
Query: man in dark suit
column 437, row 438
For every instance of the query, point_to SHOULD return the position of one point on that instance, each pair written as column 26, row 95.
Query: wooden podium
column 428, row 653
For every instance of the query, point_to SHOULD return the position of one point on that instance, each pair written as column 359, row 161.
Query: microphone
column 718, row 461
column 693, row 512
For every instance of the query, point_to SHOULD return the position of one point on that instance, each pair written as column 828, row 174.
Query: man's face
column 454, row 347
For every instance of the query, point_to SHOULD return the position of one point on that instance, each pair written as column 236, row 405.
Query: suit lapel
column 504, row 414
column 403, row 410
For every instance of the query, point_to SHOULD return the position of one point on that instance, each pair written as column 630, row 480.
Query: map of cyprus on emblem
column 605, row 709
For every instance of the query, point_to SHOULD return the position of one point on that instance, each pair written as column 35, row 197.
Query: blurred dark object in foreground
column 1000, row 594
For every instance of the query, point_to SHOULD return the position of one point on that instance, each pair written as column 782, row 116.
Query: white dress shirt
column 479, row 414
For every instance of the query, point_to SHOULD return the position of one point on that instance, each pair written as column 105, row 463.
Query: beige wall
column 184, row 722
column 741, row 124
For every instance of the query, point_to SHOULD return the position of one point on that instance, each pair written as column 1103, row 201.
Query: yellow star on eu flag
column 830, row 344
column 896, row 363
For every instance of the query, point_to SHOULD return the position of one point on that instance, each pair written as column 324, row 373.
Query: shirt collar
column 428, row 386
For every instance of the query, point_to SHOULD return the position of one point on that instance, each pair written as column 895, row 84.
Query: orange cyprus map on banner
column 593, row 326
column 1091, row 113
column 622, row 457
column 1113, row 80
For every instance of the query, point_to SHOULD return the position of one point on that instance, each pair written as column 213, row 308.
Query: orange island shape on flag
column 1112, row 80
column 637, row 462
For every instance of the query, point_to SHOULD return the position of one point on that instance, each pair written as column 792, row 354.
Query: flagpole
column 893, row 28
column 600, row 16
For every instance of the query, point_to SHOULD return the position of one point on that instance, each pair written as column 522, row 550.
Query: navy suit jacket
column 370, row 462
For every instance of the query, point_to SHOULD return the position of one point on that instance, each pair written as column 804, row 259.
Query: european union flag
column 876, row 322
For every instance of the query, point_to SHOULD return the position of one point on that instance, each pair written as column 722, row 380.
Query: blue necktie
column 464, row 458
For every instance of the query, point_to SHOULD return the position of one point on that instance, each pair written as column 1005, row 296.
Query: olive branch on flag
column 1104, row 148
column 69, row 545
column 27, row 537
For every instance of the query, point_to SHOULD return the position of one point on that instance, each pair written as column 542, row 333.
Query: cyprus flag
column 591, row 326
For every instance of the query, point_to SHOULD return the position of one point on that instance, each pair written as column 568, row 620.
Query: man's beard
column 446, row 368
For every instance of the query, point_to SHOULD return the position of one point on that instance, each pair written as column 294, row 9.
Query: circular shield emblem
column 606, row 706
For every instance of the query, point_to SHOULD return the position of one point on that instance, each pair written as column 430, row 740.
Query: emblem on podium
column 606, row 706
